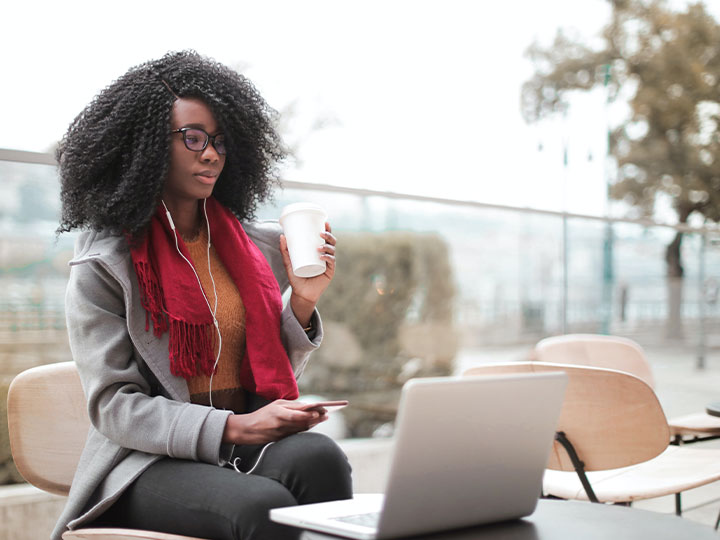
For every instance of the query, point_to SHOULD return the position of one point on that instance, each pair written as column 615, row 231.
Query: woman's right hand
column 272, row 422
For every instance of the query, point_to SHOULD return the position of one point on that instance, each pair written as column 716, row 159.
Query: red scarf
column 170, row 293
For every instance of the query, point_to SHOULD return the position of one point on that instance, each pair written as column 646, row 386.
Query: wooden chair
column 48, row 424
column 612, row 440
column 623, row 354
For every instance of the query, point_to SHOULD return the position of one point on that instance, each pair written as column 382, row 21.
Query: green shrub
column 387, row 317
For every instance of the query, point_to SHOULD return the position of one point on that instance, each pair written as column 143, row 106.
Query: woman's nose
column 210, row 154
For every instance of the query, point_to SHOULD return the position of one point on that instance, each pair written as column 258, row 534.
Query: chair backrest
column 610, row 352
column 48, row 422
column 612, row 418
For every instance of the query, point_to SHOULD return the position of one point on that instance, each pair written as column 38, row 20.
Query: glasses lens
column 195, row 139
column 219, row 144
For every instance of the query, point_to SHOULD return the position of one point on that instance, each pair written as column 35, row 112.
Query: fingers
column 300, row 419
column 320, row 419
column 295, row 405
column 327, row 250
column 291, row 412
column 328, row 235
column 295, row 414
column 286, row 421
column 327, row 253
column 285, row 255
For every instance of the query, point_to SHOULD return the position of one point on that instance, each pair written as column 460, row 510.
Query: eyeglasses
column 197, row 139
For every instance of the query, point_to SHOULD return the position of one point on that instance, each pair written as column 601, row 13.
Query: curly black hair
column 116, row 153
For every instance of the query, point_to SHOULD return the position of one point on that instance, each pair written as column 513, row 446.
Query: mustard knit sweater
column 226, row 390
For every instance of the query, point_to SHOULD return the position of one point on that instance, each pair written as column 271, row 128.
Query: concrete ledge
column 23, row 494
column 28, row 513
column 370, row 461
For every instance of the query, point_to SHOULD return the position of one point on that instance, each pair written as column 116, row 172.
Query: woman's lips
column 206, row 177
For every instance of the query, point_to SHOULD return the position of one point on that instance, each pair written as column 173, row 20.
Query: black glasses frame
column 208, row 139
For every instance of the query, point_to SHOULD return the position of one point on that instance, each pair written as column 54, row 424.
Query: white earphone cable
column 236, row 462
column 213, row 312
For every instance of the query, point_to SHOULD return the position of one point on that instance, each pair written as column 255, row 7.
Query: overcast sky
column 418, row 96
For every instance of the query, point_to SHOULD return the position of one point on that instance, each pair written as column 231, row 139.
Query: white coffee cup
column 303, row 223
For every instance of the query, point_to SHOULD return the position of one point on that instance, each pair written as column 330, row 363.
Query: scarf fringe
column 191, row 345
column 191, row 349
column 151, row 298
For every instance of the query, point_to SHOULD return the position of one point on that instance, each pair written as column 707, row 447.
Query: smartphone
column 329, row 406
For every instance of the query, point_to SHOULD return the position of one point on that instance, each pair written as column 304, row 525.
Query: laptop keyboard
column 369, row 519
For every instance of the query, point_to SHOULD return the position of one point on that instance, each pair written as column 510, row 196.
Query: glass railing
column 33, row 263
column 477, row 276
column 519, row 276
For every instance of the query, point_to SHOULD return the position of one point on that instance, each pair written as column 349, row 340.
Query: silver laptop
column 467, row 451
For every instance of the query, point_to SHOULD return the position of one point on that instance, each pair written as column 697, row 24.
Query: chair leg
column 717, row 521
column 577, row 464
column 678, row 505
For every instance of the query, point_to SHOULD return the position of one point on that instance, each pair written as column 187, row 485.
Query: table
column 571, row 520
column 713, row 409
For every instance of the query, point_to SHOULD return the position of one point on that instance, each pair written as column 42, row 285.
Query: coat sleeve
column 120, row 401
column 297, row 342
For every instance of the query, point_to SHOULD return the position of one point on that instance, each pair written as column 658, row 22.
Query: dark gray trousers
column 218, row 503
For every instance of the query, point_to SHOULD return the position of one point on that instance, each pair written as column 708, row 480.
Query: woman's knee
column 318, row 453
column 318, row 468
column 251, row 518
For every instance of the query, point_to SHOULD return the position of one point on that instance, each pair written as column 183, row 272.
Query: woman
column 186, row 355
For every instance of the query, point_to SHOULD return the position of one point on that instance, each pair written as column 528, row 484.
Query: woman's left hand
column 307, row 291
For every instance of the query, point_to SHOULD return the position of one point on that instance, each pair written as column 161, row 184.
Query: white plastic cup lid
column 302, row 206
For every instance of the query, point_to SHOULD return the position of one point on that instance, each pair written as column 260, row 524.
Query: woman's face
column 192, row 175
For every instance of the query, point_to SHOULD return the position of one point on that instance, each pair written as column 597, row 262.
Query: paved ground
column 682, row 388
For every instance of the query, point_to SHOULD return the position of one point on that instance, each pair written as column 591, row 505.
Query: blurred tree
column 297, row 121
column 667, row 65
column 297, row 124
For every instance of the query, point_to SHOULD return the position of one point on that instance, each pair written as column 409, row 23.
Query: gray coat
column 139, row 411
